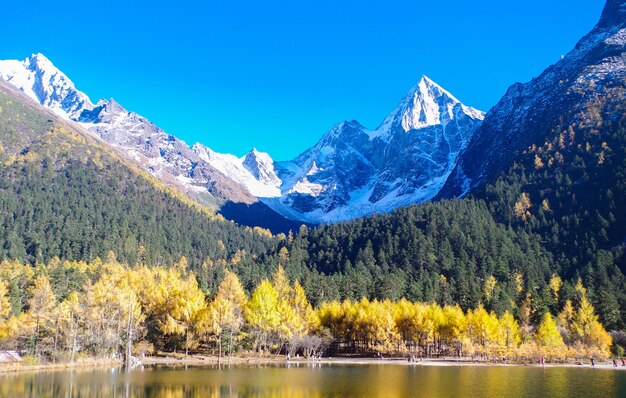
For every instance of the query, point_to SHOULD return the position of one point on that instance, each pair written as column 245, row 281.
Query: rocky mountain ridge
column 351, row 172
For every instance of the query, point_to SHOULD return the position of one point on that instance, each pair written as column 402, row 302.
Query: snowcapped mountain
column 255, row 171
column 162, row 154
column 529, row 112
column 351, row 172
column 38, row 78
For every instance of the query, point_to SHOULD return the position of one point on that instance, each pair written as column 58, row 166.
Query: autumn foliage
column 64, row 310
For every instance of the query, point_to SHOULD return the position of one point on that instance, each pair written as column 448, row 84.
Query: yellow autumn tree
column 290, row 323
column 589, row 331
column 548, row 336
column 489, row 287
column 308, row 320
column 583, row 319
column 173, row 300
column 280, row 282
column 70, row 312
column 522, row 207
column 114, row 310
column 40, row 307
column 5, row 304
column 453, row 328
column 483, row 330
column 374, row 325
column 510, row 331
column 261, row 313
column 225, row 313
column 555, row 286
column 5, row 310
column 331, row 317
column 403, row 316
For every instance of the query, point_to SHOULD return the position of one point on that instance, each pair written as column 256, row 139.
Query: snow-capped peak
column 38, row 78
column 40, row 62
column 261, row 166
column 353, row 171
column 428, row 104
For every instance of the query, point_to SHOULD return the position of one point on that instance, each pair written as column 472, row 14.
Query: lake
column 319, row 380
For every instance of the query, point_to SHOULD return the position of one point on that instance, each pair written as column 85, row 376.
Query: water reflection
column 317, row 380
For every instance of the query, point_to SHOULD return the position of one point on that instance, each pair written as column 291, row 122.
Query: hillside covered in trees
column 65, row 194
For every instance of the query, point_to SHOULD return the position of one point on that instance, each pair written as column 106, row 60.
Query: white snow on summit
column 39, row 79
column 264, row 184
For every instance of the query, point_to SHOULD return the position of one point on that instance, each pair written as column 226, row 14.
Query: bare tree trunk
column 230, row 345
column 74, row 338
column 129, row 334
column 119, row 330
column 36, row 338
column 56, row 339
column 219, row 345
column 186, row 341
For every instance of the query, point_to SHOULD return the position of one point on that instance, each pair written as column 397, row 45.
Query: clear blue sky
column 276, row 75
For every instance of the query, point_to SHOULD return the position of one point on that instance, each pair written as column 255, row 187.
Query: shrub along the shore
column 65, row 310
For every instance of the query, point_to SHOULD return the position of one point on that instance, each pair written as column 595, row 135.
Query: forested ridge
column 570, row 189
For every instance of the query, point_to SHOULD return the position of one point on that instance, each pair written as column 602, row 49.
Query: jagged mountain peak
column 261, row 166
column 425, row 104
column 42, row 81
column 41, row 62
column 256, row 155
column 340, row 131
column 352, row 171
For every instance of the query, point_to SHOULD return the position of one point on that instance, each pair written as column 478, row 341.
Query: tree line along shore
column 65, row 312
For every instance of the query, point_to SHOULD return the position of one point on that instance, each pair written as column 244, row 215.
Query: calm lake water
column 385, row 380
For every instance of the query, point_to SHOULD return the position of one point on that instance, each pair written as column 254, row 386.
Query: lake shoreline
column 201, row 360
column 173, row 359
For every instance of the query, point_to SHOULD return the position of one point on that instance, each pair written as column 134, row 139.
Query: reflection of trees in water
column 26, row 387
column 315, row 380
column 138, row 384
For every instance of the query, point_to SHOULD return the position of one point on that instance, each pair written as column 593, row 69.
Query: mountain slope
column 163, row 155
column 203, row 175
column 529, row 112
column 65, row 194
column 565, row 138
column 552, row 151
